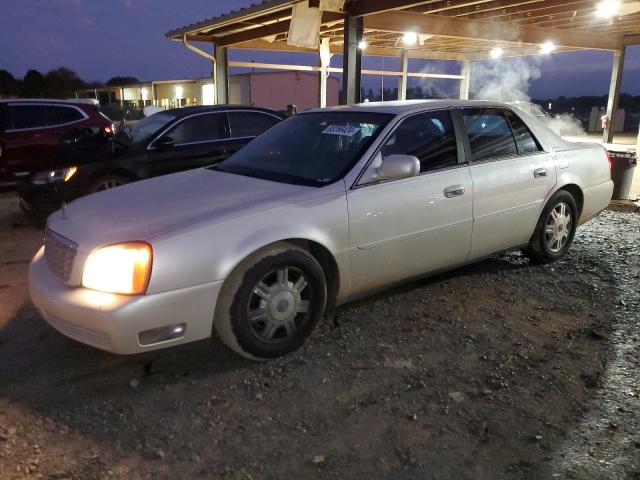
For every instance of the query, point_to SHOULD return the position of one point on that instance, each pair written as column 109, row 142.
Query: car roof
column 410, row 106
column 43, row 100
column 185, row 111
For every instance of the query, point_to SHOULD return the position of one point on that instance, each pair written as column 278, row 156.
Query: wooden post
column 352, row 60
column 402, row 82
column 222, row 76
column 465, row 83
column 614, row 94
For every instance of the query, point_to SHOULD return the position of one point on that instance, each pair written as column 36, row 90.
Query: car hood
column 146, row 209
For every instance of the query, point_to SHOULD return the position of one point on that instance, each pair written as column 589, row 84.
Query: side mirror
column 396, row 167
column 164, row 142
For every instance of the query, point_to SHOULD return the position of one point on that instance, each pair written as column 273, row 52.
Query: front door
column 405, row 228
column 196, row 141
column 511, row 175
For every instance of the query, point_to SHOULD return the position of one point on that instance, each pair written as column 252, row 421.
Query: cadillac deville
column 324, row 207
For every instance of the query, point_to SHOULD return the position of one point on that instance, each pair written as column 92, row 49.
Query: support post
column 402, row 82
column 324, row 61
column 154, row 94
column 465, row 83
column 352, row 60
column 614, row 94
column 222, row 76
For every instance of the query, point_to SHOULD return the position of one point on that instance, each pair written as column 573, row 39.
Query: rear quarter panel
column 587, row 166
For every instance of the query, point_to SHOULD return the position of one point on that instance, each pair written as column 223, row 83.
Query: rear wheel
column 106, row 182
column 271, row 303
column 555, row 229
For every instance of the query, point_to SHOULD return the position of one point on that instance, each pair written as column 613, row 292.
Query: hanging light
column 496, row 52
column 410, row 38
column 547, row 47
column 608, row 8
column 362, row 45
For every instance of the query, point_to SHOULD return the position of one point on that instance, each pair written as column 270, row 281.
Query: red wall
column 278, row 89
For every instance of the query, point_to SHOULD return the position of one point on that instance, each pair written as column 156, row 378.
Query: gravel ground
column 497, row 370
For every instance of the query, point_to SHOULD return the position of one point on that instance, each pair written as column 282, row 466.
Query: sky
column 100, row 39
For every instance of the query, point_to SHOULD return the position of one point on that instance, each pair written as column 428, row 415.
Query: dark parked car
column 166, row 142
column 31, row 132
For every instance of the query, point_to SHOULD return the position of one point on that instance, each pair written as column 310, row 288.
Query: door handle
column 454, row 191
column 540, row 173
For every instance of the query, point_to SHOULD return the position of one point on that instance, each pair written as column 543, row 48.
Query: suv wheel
column 106, row 182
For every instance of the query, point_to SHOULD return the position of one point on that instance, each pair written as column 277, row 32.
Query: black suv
column 166, row 142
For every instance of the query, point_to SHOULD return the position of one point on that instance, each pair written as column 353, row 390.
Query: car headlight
column 123, row 268
column 54, row 176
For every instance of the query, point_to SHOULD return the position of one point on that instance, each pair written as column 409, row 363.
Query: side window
column 61, row 115
column 489, row 133
column 200, row 128
column 430, row 137
column 249, row 124
column 28, row 116
column 524, row 139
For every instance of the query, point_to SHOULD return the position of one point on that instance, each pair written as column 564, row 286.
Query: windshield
column 145, row 128
column 308, row 149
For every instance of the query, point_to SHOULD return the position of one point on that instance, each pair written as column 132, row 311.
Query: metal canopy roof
column 450, row 29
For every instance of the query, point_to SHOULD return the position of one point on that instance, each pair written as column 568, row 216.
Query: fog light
column 162, row 334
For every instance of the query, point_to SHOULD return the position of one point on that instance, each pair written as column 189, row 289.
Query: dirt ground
column 497, row 370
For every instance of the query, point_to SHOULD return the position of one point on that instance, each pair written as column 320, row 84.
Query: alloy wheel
column 558, row 227
column 279, row 304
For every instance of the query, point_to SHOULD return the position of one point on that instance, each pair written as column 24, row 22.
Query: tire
column 555, row 231
column 265, row 313
column 106, row 182
column 37, row 216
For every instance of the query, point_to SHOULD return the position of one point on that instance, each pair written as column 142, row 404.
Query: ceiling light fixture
column 410, row 38
column 608, row 8
column 362, row 44
column 547, row 47
column 496, row 52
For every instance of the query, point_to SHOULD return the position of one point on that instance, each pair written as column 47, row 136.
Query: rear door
column 405, row 228
column 198, row 140
column 512, row 176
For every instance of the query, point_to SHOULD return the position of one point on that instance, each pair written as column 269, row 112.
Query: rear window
column 27, row 116
column 527, row 144
column 60, row 115
column 489, row 133
column 40, row 116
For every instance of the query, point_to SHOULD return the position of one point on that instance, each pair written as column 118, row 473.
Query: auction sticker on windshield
column 344, row 130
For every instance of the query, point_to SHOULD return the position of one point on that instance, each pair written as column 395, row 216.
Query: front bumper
column 47, row 196
column 112, row 322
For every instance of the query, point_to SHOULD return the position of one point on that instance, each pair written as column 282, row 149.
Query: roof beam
column 479, row 29
column 369, row 7
column 629, row 40
column 268, row 30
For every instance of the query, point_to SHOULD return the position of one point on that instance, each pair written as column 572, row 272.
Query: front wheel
column 555, row 229
column 272, row 302
column 106, row 182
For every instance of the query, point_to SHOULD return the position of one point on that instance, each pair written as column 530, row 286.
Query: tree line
column 60, row 82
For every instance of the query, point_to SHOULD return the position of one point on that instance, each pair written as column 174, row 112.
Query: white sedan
column 325, row 207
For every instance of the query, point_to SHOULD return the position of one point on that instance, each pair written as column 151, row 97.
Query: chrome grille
column 59, row 253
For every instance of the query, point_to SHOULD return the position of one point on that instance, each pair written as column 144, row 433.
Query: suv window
column 249, row 124
column 199, row 128
column 430, row 137
column 489, row 133
column 27, row 116
column 524, row 139
column 61, row 115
